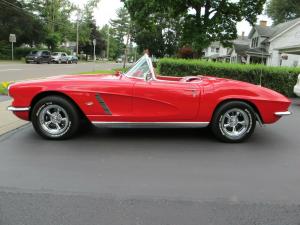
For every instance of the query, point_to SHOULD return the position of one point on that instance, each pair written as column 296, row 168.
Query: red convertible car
column 56, row 106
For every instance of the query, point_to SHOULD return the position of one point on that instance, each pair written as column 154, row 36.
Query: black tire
column 67, row 111
column 242, row 118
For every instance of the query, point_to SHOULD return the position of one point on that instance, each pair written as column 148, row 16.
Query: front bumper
column 286, row 113
column 18, row 109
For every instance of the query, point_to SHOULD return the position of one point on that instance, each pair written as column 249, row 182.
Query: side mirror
column 117, row 73
column 148, row 77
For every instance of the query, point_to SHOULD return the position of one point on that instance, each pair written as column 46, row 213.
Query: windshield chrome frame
column 150, row 65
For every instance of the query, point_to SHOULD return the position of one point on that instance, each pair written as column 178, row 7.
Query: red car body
column 139, row 97
column 167, row 99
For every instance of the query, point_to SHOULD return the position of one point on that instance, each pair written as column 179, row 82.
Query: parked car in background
column 297, row 87
column 119, row 60
column 72, row 59
column 38, row 57
column 59, row 57
column 57, row 106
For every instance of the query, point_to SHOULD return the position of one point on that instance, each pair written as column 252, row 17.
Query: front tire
column 233, row 122
column 55, row 117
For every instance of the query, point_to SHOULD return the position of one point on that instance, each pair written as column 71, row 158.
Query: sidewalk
column 8, row 121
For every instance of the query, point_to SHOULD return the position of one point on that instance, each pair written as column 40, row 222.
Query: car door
column 165, row 101
column 64, row 57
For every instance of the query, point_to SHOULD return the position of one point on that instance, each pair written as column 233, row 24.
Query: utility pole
column 77, row 32
column 126, row 50
column 107, row 50
column 94, row 43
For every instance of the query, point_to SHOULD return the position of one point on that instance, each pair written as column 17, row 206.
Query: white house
column 272, row 45
column 216, row 51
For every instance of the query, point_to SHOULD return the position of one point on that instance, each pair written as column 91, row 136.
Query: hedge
column 280, row 79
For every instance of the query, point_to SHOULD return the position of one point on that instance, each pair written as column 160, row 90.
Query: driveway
column 152, row 176
column 12, row 71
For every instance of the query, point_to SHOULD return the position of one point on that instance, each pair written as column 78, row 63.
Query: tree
column 52, row 40
column 15, row 19
column 203, row 21
column 282, row 11
column 55, row 14
column 122, row 28
column 89, row 31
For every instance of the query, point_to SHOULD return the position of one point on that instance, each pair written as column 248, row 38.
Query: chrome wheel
column 235, row 123
column 54, row 120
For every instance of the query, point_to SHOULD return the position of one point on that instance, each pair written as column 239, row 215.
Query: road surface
column 12, row 71
column 152, row 176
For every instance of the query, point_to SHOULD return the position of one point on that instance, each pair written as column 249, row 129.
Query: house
column 217, row 52
column 271, row 45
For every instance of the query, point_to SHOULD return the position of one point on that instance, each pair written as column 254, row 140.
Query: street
column 152, row 176
column 13, row 72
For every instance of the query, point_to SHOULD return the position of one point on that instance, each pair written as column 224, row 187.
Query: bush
column 280, row 79
column 21, row 52
column 5, row 50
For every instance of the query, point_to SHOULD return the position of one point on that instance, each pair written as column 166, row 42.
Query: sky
column 106, row 10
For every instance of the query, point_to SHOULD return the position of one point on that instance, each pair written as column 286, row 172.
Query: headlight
column 35, row 57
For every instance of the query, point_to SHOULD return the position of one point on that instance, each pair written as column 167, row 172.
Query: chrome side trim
column 18, row 109
column 103, row 104
column 287, row 113
column 150, row 124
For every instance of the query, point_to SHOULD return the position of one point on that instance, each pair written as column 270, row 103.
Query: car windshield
column 33, row 52
column 142, row 68
column 55, row 53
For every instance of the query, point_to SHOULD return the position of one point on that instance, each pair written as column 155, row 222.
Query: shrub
column 3, row 88
column 21, row 52
column 5, row 50
column 281, row 79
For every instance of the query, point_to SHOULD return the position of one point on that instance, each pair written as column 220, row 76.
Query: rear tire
column 233, row 122
column 55, row 117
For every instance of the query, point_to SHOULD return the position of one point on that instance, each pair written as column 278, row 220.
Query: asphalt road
column 152, row 176
column 12, row 72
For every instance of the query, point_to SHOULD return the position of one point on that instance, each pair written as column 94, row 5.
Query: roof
column 257, row 51
column 240, row 49
column 272, row 31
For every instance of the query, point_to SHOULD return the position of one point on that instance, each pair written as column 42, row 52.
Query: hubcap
column 235, row 123
column 54, row 119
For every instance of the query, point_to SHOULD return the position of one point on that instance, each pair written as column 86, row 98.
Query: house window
column 254, row 43
column 217, row 50
column 212, row 49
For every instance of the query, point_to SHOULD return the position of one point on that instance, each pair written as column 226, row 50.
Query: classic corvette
column 56, row 106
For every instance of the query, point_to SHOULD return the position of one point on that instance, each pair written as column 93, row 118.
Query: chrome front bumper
column 18, row 109
column 286, row 113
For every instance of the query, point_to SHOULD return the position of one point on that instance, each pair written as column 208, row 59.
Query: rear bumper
column 286, row 113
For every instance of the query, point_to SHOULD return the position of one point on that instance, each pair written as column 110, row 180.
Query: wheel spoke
column 242, row 122
column 49, row 113
column 48, row 123
column 227, row 125
column 58, row 126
